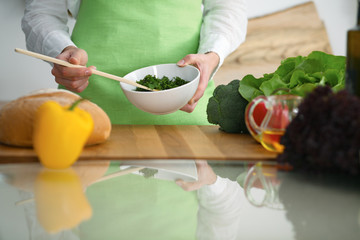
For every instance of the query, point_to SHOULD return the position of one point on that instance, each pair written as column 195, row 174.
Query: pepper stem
column 73, row 106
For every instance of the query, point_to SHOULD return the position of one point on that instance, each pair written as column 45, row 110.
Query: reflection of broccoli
column 227, row 108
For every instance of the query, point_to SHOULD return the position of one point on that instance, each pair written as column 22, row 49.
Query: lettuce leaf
column 298, row 75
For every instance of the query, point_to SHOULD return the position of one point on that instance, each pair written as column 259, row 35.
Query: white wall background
column 21, row 74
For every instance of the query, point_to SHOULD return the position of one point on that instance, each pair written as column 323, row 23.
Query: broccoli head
column 226, row 108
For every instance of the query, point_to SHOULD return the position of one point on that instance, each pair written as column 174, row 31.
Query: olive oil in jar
column 270, row 140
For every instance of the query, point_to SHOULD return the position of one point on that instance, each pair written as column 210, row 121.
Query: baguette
column 17, row 117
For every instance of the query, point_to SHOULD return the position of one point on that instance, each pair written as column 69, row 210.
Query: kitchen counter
column 125, row 189
column 161, row 142
column 115, row 200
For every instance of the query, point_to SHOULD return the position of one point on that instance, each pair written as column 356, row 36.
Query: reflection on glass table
column 174, row 199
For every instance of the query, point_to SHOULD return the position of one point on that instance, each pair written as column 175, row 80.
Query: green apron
column 121, row 36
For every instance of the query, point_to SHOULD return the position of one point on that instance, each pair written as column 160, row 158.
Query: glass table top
column 175, row 199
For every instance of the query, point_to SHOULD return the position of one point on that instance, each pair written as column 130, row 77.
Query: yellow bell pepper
column 60, row 133
column 60, row 201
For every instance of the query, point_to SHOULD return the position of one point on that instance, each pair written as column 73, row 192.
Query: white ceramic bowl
column 164, row 101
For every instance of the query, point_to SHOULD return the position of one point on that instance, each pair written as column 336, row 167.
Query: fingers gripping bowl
column 163, row 101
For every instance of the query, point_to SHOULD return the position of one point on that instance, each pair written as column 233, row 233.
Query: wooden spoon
column 67, row 64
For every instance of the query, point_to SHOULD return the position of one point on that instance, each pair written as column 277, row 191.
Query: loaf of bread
column 17, row 117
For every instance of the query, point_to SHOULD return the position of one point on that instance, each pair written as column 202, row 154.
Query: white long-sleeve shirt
column 45, row 26
column 220, row 210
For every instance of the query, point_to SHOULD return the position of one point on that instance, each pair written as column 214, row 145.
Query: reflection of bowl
column 174, row 170
column 165, row 101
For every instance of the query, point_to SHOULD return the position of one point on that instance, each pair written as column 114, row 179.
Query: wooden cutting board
column 161, row 142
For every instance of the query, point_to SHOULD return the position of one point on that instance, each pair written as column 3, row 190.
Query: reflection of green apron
column 134, row 207
column 121, row 36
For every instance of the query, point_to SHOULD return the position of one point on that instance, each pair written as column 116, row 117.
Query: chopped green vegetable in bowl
column 164, row 101
column 163, row 83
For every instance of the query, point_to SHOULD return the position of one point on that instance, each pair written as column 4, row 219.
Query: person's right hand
column 73, row 79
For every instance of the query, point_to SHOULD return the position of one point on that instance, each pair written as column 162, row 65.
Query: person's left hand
column 206, row 63
column 206, row 176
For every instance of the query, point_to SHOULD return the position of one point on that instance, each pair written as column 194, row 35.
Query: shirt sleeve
column 222, row 196
column 224, row 26
column 45, row 25
column 220, row 210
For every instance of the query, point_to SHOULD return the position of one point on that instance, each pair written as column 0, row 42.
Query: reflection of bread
column 17, row 117
column 24, row 175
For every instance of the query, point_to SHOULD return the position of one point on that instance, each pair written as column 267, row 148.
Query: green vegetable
column 227, row 108
column 299, row 74
column 160, row 83
column 324, row 137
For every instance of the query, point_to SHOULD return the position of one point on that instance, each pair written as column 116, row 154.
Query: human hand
column 206, row 176
column 206, row 63
column 74, row 79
